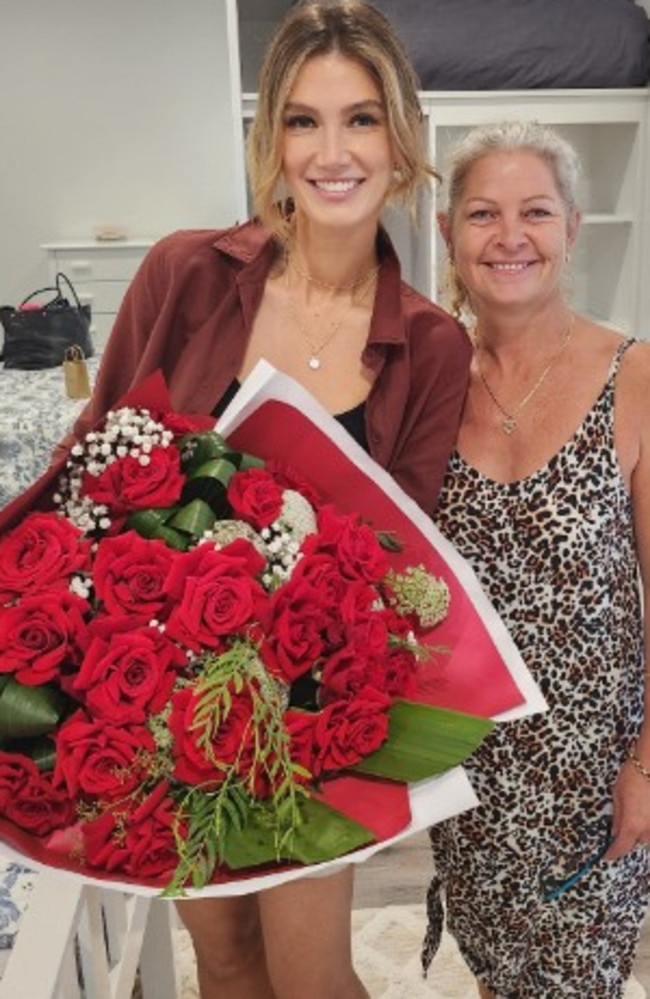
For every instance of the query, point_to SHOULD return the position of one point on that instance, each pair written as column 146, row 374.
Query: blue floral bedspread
column 35, row 414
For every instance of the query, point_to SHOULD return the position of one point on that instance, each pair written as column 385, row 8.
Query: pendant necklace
column 509, row 419
column 314, row 361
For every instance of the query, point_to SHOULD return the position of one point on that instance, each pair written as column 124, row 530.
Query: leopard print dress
column 555, row 553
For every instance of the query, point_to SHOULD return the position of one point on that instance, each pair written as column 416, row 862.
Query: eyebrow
column 532, row 197
column 368, row 105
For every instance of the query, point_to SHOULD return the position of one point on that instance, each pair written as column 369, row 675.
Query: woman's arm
column 631, row 799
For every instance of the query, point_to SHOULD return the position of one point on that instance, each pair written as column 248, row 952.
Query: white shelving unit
column 609, row 129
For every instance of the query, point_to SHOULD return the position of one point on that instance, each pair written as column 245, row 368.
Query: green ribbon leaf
column 153, row 524
column 424, row 741
column 26, row 712
column 321, row 834
column 221, row 469
column 43, row 753
column 247, row 461
column 204, row 446
column 194, row 519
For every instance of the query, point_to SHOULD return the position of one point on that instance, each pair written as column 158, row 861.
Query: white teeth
column 509, row 267
column 335, row 186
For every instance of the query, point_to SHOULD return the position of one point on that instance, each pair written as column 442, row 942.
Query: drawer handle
column 78, row 266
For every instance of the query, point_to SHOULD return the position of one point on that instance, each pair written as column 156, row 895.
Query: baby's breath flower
column 416, row 591
column 223, row 532
column 158, row 725
column 297, row 516
column 80, row 586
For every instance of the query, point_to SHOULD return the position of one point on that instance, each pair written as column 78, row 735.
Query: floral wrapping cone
column 228, row 656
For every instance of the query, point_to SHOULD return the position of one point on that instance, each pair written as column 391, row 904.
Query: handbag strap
column 64, row 277
column 55, row 288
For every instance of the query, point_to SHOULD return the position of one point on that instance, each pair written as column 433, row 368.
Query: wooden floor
column 399, row 875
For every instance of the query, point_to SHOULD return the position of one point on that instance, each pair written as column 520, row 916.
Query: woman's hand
column 631, row 812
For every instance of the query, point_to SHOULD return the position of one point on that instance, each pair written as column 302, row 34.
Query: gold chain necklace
column 315, row 349
column 358, row 281
column 509, row 422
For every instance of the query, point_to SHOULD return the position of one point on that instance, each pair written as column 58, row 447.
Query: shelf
column 602, row 218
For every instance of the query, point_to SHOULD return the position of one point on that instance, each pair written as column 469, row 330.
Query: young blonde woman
column 312, row 285
column 545, row 883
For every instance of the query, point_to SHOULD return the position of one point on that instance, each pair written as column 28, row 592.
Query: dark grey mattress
column 523, row 44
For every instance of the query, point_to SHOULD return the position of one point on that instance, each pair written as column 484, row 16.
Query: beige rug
column 387, row 956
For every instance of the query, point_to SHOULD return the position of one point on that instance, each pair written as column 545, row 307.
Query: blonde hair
column 357, row 31
column 557, row 153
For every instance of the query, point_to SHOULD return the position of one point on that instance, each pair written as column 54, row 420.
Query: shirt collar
column 255, row 248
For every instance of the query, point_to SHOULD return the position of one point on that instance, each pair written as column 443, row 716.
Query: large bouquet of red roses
column 196, row 647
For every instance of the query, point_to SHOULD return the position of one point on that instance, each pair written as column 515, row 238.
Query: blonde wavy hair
column 360, row 32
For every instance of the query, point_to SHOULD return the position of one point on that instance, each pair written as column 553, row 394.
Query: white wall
column 111, row 112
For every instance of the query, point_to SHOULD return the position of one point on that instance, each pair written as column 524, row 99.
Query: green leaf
column 389, row 541
column 43, row 753
column 153, row 523
column 205, row 446
column 424, row 741
column 221, row 469
column 26, row 712
column 247, row 461
column 321, row 834
column 194, row 519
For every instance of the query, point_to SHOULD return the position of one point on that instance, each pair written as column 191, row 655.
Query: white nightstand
column 100, row 273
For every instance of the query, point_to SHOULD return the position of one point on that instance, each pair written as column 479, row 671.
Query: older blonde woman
column 548, row 496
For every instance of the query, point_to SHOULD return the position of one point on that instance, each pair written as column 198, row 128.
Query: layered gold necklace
column 361, row 284
column 509, row 420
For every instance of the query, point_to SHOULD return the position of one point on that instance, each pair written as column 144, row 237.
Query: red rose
column 42, row 553
column 201, row 755
column 347, row 672
column 401, row 673
column 295, row 630
column 301, row 727
column 129, row 575
column 362, row 626
column 150, row 838
column 129, row 483
column 127, row 672
column 255, row 497
column 103, row 760
column 323, row 573
column 104, row 843
column 354, row 545
column 214, row 593
column 38, row 806
column 40, row 634
column 15, row 770
column 141, row 844
column 348, row 731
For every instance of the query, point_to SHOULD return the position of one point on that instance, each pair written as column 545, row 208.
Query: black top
column 353, row 420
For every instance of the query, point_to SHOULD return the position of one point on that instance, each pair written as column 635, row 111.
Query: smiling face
column 511, row 231
column 336, row 151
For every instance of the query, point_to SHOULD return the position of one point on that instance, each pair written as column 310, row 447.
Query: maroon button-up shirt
column 189, row 311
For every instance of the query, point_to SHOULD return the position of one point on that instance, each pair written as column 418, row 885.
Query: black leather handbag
column 38, row 336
